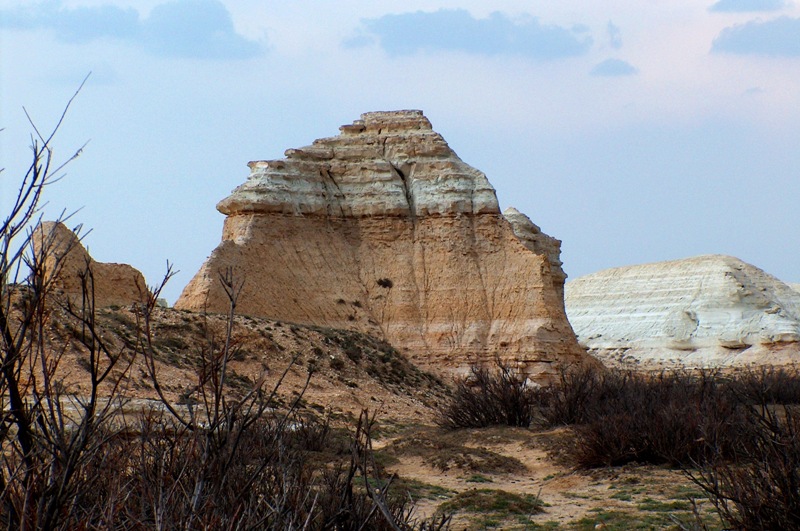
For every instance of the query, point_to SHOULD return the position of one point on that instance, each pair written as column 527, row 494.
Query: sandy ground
column 572, row 498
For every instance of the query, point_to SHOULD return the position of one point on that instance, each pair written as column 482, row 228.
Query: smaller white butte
column 704, row 311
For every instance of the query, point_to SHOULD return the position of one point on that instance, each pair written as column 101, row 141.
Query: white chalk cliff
column 702, row 311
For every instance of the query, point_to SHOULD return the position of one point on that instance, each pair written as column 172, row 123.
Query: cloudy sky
column 634, row 131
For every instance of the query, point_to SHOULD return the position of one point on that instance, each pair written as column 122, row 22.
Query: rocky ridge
column 383, row 229
column 709, row 310
column 66, row 259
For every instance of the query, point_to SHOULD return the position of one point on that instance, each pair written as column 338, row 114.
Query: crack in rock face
column 317, row 235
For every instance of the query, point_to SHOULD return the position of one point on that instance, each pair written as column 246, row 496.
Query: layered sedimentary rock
column 702, row 311
column 66, row 260
column 385, row 230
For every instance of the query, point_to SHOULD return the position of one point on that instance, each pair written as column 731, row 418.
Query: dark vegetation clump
column 622, row 417
column 679, row 418
column 489, row 398
column 760, row 489
column 444, row 454
column 495, row 503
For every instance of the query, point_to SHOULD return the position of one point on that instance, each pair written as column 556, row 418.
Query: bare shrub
column 670, row 418
column 46, row 434
column 576, row 396
column 489, row 398
column 736, row 436
column 760, row 489
column 81, row 461
column 768, row 385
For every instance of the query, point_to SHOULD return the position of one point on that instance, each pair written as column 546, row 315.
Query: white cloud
column 743, row 6
column 458, row 30
column 777, row 37
column 614, row 35
column 613, row 68
column 178, row 28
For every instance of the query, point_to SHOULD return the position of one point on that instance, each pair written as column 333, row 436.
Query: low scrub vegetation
column 737, row 435
column 489, row 398
column 82, row 460
column 761, row 488
column 443, row 454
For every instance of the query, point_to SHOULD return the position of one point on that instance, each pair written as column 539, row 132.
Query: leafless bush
column 768, row 385
column 669, row 418
column 678, row 417
column 46, row 434
column 575, row 397
column 80, row 461
column 621, row 416
column 760, row 489
column 489, row 398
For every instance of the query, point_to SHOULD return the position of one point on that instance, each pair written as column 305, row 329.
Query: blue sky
column 634, row 132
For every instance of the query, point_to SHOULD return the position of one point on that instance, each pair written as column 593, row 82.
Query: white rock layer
column 415, row 173
column 707, row 310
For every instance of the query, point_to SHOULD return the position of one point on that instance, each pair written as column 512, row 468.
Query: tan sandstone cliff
column 704, row 311
column 66, row 260
column 385, row 230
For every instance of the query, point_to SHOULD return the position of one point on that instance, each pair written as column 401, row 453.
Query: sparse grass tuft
column 493, row 505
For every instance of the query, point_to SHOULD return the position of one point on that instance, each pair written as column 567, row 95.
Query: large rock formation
column 385, row 230
column 704, row 311
column 66, row 260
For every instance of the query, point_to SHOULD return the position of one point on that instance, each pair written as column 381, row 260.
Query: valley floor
column 512, row 478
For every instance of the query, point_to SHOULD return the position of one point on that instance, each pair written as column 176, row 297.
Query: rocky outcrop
column 383, row 229
column 540, row 243
column 66, row 260
column 703, row 311
column 795, row 286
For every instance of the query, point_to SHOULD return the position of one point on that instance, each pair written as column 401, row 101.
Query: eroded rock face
column 385, row 230
column 703, row 311
column 66, row 259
